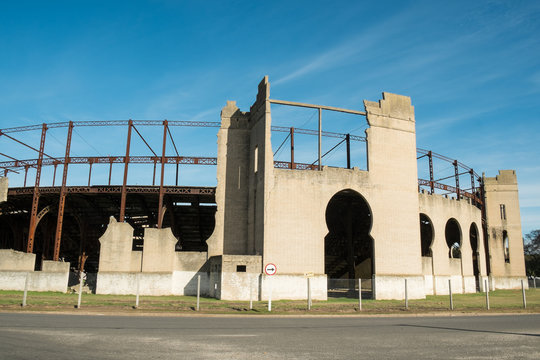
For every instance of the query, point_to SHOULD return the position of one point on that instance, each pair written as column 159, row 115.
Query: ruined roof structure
column 388, row 217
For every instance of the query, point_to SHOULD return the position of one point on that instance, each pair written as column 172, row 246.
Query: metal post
column 320, row 137
column 161, row 189
column 25, row 174
column 308, row 293
column 431, row 184
column 292, row 148
column 270, row 295
column 198, row 290
column 62, row 201
column 124, row 183
column 80, row 289
column 450, row 293
column 348, row 141
column 176, row 183
column 90, row 172
column 54, row 174
column 373, row 296
column 25, row 290
column 406, row 296
column 534, row 281
column 456, row 174
column 487, row 293
column 154, row 176
column 360, row 294
column 110, row 170
column 138, row 289
column 35, row 199
column 473, row 187
column 523, row 294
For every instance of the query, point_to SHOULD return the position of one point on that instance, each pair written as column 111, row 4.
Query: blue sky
column 471, row 69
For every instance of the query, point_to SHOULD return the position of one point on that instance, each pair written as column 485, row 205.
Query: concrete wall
column 158, row 269
column 16, row 267
column 503, row 190
column 11, row 260
column 3, row 188
column 439, row 209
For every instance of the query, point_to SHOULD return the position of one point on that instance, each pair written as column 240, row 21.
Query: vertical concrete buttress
column 503, row 218
column 392, row 166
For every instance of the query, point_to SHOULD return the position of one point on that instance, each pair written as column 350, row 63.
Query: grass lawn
column 500, row 301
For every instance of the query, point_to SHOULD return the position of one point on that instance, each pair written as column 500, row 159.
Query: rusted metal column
column 35, row 199
column 110, row 169
column 473, row 188
column 161, row 189
column 320, row 137
column 25, row 174
column 124, row 183
column 177, row 171
column 54, row 173
column 154, row 176
column 62, row 202
column 348, row 141
column 292, row 148
column 431, row 184
column 90, row 171
column 456, row 172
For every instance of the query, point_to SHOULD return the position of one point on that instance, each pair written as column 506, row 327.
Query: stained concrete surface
column 55, row 336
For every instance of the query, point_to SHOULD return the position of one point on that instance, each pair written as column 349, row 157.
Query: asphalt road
column 74, row 337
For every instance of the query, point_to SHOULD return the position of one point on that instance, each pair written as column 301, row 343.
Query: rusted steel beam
column 28, row 146
column 124, row 183
column 430, row 156
column 316, row 133
column 456, row 174
column 161, row 189
column 322, row 107
column 96, row 189
column 62, row 200
column 348, row 140
column 292, row 148
column 35, row 198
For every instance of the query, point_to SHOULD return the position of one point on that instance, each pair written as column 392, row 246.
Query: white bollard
column 270, row 296
column 308, row 293
column 450, row 292
column 25, row 289
column 523, row 294
column 80, row 290
column 359, row 294
column 406, row 296
column 138, row 289
column 198, row 290
column 487, row 293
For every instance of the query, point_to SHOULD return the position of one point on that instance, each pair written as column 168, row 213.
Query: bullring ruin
column 394, row 218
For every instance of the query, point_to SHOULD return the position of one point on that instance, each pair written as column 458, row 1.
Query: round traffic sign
column 270, row 269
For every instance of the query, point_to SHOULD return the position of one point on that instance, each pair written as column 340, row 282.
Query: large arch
column 452, row 233
column 426, row 235
column 348, row 245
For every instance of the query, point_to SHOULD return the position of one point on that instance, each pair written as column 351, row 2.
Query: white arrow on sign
column 270, row 269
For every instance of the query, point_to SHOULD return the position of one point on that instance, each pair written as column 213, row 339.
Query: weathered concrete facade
column 3, row 188
column 334, row 223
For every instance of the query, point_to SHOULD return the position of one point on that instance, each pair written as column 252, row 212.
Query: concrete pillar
column 116, row 247
column 392, row 166
column 3, row 188
column 503, row 218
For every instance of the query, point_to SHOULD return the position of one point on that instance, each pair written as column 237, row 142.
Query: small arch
column 426, row 235
column 506, row 247
column 452, row 232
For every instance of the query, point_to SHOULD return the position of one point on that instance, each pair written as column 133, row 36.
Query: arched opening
column 452, row 233
column 506, row 247
column 473, row 237
column 348, row 245
column 426, row 235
